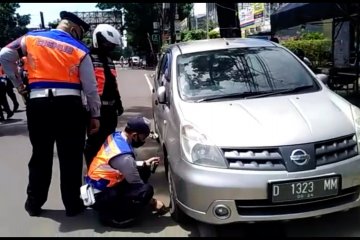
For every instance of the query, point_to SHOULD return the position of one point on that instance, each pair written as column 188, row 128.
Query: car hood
column 272, row 121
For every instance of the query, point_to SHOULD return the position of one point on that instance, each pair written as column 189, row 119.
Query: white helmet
column 108, row 32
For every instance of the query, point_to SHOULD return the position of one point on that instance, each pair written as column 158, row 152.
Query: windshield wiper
column 290, row 90
column 232, row 95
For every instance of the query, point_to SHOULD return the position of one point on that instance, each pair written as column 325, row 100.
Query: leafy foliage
column 212, row 25
column 193, row 35
column 214, row 34
column 312, row 36
column 318, row 51
column 139, row 18
column 184, row 10
column 53, row 24
column 12, row 25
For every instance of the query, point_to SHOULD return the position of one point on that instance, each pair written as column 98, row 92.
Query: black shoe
column 75, row 211
column 118, row 223
column 32, row 210
column 16, row 107
column 9, row 115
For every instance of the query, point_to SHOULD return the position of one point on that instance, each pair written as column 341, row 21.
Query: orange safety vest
column 99, row 72
column 1, row 71
column 53, row 59
column 101, row 175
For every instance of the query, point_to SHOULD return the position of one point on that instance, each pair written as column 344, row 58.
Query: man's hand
column 156, row 161
column 94, row 126
column 22, row 90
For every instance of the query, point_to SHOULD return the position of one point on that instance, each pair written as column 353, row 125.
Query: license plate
column 298, row 190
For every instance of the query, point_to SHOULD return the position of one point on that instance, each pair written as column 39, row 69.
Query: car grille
column 335, row 150
column 254, row 159
column 265, row 207
column 326, row 152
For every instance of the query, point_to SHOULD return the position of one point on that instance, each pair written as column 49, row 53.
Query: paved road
column 15, row 151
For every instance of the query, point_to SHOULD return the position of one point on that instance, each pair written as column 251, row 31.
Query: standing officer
column 58, row 69
column 105, row 40
column 3, row 100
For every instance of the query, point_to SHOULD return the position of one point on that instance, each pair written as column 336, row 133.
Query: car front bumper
column 245, row 193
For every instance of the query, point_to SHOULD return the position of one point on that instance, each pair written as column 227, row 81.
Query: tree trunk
column 228, row 19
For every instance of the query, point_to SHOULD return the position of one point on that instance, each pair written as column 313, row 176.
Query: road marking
column 149, row 82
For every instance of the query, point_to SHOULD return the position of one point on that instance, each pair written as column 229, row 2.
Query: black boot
column 9, row 114
column 16, row 106
column 32, row 209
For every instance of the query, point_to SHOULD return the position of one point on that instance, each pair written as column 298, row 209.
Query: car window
column 158, row 67
column 163, row 69
column 231, row 71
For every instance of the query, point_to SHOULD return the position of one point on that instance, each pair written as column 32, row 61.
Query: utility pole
column 207, row 20
column 172, row 22
column 42, row 20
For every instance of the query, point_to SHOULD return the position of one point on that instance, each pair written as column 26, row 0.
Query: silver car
column 250, row 133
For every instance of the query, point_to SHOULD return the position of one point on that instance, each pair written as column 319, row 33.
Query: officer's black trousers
column 108, row 123
column 124, row 200
column 3, row 100
column 10, row 92
column 59, row 120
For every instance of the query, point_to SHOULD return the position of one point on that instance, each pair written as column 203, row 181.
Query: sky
column 51, row 10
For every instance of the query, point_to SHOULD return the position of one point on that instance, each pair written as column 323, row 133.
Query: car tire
column 156, row 129
column 207, row 230
column 176, row 213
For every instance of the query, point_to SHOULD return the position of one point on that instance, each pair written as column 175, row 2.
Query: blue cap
column 139, row 125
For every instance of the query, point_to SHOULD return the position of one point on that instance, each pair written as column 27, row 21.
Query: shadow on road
column 13, row 127
column 147, row 223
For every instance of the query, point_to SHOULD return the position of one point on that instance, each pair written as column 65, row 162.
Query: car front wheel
column 176, row 213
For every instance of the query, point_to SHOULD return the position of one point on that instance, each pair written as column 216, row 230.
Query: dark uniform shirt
column 110, row 90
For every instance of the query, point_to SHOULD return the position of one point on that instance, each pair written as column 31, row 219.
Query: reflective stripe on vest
column 54, row 56
column 100, row 73
column 101, row 175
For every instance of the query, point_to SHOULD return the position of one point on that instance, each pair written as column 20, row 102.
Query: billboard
column 246, row 16
column 258, row 9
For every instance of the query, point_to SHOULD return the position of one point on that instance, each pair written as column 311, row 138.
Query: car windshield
column 230, row 72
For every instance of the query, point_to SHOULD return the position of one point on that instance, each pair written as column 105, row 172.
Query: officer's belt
column 40, row 93
column 108, row 103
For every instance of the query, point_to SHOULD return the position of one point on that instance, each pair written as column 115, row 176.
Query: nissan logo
column 299, row 157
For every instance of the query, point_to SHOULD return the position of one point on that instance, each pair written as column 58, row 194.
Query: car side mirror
column 161, row 91
column 323, row 77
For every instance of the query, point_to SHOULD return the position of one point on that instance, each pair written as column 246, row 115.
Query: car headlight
column 356, row 117
column 198, row 149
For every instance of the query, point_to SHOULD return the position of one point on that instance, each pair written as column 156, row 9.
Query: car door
column 166, row 110
column 159, row 81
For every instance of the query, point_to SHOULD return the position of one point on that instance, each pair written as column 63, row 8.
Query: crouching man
column 119, row 182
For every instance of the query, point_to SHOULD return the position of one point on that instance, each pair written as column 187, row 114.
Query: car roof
column 219, row 43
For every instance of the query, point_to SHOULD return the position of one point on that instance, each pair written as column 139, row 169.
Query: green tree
column 12, row 24
column 193, row 35
column 214, row 34
column 53, row 24
column 184, row 10
column 139, row 18
column 127, row 52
